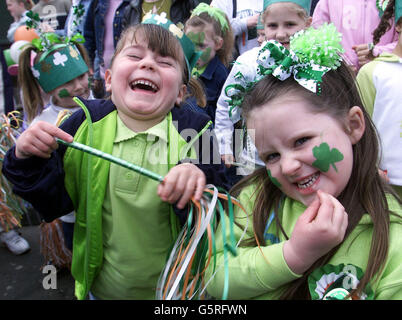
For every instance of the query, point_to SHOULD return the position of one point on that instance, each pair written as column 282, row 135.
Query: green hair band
column 213, row 12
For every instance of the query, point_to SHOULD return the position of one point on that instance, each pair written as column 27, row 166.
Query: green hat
column 305, row 4
column 58, row 66
column 398, row 10
column 190, row 54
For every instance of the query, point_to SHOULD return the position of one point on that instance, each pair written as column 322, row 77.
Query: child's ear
column 218, row 43
column 108, row 80
column 182, row 93
column 309, row 21
column 355, row 124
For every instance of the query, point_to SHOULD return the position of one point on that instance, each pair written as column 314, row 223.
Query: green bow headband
column 313, row 52
column 213, row 12
column 190, row 54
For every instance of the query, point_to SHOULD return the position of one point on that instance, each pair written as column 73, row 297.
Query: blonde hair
column 291, row 6
column 31, row 91
column 164, row 43
column 225, row 53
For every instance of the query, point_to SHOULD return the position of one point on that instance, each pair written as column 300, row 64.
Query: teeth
column 308, row 181
column 145, row 82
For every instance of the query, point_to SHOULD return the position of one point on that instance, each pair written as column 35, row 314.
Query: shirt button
column 129, row 175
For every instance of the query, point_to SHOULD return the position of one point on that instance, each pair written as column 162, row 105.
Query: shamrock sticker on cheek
column 326, row 157
column 273, row 179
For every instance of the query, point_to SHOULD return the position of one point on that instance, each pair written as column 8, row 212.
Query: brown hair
column 385, row 24
column 225, row 54
column 365, row 191
column 31, row 91
column 164, row 43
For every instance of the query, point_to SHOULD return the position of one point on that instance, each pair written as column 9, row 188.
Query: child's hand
column 320, row 228
column 363, row 53
column 227, row 159
column 181, row 183
column 39, row 140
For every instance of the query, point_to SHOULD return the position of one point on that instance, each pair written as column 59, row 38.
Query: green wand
column 109, row 157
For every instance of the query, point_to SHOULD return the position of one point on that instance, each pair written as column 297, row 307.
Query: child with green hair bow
column 210, row 31
column 320, row 222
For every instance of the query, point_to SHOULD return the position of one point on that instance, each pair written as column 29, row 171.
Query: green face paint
column 198, row 39
column 273, row 179
column 326, row 157
column 206, row 54
column 63, row 93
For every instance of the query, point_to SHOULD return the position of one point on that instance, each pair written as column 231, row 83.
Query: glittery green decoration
column 321, row 46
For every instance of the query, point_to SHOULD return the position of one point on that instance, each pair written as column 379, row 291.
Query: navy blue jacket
column 42, row 181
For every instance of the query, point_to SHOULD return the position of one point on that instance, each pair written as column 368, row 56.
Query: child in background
column 281, row 20
column 119, row 251
column 53, row 13
column 356, row 21
column 18, row 10
column 260, row 31
column 243, row 17
column 379, row 83
column 61, row 71
column 211, row 33
column 102, row 29
column 322, row 223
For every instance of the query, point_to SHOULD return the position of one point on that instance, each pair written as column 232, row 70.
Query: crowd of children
column 314, row 162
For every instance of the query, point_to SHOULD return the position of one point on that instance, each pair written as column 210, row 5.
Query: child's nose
column 290, row 165
column 281, row 33
column 147, row 62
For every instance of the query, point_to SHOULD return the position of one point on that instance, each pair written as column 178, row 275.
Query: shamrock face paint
column 289, row 138
column 78, row 87
column 203, row 39
column 326, row 157
column 273, row 179
column 63, row 93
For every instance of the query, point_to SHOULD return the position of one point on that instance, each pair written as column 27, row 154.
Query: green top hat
column 305, row 4
column 398, row 10
column 58, row 66
column 190, row 54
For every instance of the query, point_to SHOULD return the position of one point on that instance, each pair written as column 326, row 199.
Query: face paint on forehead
column 325, row 157
column 273, row 179
column 63, row 93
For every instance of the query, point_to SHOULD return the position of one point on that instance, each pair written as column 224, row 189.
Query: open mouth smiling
column 145, row 85
column 308, row 182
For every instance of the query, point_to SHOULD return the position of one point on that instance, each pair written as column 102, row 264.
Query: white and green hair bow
column 313, row 52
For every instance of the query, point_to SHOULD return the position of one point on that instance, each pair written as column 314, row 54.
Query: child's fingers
column 325, row 212
column 187, row 193
column 200, row 186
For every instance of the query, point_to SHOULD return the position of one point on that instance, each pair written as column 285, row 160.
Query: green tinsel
column 321, row 46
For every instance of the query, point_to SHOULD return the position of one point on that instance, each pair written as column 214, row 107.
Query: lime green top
column 253, row 275
column 136, row 225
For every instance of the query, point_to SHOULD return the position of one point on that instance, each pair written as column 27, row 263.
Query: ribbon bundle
column 12, row 208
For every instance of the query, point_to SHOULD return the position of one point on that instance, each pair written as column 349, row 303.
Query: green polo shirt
column 135, row 222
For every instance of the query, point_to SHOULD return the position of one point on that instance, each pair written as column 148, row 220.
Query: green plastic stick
column 109, row 157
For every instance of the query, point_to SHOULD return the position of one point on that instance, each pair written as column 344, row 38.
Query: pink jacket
column 356, row 20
